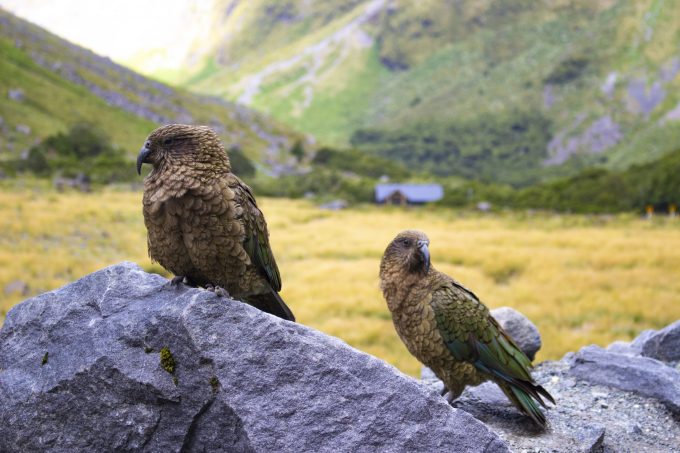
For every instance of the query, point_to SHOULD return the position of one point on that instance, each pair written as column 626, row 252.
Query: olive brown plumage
column 203, row 223
column 446, row 327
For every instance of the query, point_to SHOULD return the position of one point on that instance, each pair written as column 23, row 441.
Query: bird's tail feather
column 271, row 303
column 526, row 401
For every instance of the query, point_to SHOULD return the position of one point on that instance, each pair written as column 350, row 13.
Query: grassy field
column 580, row 279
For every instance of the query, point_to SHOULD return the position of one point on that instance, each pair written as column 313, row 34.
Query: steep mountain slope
column 601, row 77
column 48, row 84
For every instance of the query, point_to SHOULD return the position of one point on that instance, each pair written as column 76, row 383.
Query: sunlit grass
column 580, row 279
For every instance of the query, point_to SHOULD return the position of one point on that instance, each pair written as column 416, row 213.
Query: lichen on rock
column 167, row 360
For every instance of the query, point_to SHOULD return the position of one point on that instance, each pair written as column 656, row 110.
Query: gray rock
column 642, row 99
column 81, row 370
column 663, row 344
column 430, row 380
column 607, row 400
column 564, row 433
column 638, row 343
column 520, row 328
column 631, row 347
column 16, row 94
column 484, row 206
column 641, row 375
column 622, row 347
column 24, row 129
column 335, row 205
column 588, row 417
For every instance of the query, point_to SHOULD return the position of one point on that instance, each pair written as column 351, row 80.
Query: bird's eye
column 168, row 141
column 406, row 242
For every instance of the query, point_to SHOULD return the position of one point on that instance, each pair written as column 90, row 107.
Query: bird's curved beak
column 142, row 158
column 425, row 252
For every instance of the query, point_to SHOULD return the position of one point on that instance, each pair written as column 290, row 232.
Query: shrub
column 84, row 149
column 240, row 164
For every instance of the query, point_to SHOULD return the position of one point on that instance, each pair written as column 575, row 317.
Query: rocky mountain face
column 121, row 360
column 601, row 77
column 48, row 84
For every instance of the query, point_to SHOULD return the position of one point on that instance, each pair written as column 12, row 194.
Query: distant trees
column 298, row 150
column 351, row 174
column 567, row 70
column 240, row 164
column 594, row 190
column 507, row 146
column 359, row 162
column 83, row 149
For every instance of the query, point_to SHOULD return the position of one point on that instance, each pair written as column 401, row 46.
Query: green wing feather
column 472, row 335
column 257, row 237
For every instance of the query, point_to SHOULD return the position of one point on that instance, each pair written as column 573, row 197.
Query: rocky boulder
column 610, row 400
column 663, row 344
column 641, row 375
column 121, row 361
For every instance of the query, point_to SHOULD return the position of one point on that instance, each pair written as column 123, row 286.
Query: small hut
column 405, row 194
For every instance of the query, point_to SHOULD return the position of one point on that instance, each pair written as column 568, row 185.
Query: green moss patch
column 167, row 360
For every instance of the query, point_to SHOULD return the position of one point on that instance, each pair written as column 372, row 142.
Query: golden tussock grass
column 581, row 279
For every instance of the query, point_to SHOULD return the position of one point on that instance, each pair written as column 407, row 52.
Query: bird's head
column 408, row 252
column 196, row 147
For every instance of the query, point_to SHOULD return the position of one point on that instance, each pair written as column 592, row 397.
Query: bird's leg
column 450, row 395
column 217, row 290
column 177, row 280
column 444, row 391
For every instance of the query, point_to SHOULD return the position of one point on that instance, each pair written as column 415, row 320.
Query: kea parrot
column 446, row 327
column 203, row 223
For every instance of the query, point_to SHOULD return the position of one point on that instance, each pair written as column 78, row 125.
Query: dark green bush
column 359, row 162
column 240, row 164
column 298, row 150
column 567, row 71
column 593, row 190
column 84, row 149
column 506, row 147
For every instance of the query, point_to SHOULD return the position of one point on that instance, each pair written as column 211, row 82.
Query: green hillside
column 598, row 77
column 48, row 85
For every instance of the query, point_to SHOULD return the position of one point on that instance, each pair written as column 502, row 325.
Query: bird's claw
column 218, row 290
column 449, row 395
column 177, row 280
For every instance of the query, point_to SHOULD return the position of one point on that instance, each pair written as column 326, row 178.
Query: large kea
column 446, row 327
column 203, row 223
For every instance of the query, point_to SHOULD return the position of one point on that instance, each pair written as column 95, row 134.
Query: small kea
column 203, row 223
column 446, row 327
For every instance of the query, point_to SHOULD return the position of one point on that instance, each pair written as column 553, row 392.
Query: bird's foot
column 178, row 280
column 450, row 396
column 217, row 290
